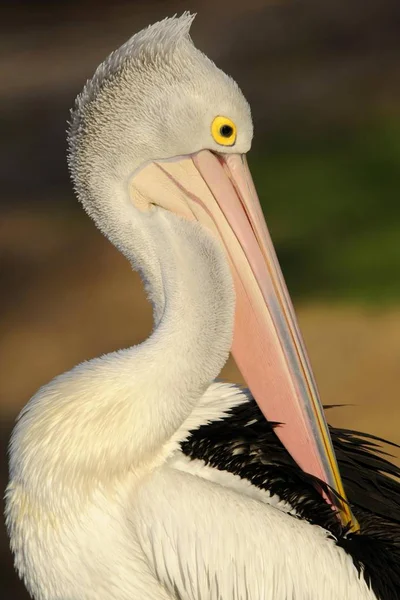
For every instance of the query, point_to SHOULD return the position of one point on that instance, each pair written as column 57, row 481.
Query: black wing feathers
column 245, row 444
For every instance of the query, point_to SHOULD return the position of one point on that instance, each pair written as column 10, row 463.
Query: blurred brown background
column 323, row 81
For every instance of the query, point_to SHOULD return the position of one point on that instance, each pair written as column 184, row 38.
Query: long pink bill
column 268, row 347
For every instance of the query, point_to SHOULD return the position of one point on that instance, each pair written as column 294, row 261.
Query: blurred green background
column 323, row 82
column 332, row 201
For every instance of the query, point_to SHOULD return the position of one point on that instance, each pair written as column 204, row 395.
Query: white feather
column 101, row 504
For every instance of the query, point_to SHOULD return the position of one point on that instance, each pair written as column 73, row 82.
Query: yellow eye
column 223, row 131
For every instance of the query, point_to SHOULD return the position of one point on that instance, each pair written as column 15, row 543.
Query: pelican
column 139, row 475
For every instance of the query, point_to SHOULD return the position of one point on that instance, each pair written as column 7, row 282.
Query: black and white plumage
column 244, row 443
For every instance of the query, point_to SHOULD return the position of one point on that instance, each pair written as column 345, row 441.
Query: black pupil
column 226, row 131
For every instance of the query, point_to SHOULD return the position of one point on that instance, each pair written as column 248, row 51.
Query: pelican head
column 159, row 136
column 155, row 98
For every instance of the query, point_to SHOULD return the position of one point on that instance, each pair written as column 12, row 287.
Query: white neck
column 115, row 413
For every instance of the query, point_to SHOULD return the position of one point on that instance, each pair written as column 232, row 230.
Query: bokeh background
column 323, row 79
